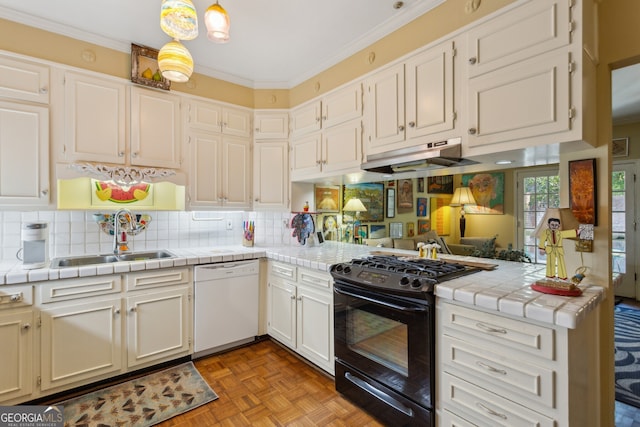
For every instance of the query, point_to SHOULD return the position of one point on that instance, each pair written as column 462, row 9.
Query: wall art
column 371, row 196
column 488, row 190
column 405, row 196
column 422, row 207
column 440, row 184
column 582, row 190
column 327, row 198
column 144, row 68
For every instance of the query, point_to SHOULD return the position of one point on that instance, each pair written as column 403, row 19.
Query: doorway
column 623, row 229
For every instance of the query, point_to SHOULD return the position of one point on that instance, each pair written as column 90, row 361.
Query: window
column 537, row 191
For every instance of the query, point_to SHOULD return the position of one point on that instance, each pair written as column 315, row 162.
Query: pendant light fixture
column 175, row 62
column 178, row 18
column 217, row 21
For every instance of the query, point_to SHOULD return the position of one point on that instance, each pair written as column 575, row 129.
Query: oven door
column 387, row 339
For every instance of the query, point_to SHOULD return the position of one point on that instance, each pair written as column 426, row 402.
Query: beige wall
column 631, row 131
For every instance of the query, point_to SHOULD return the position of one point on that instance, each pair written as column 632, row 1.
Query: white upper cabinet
column 95, row 119
column 212, row 117
column 24, row 80
column 413, row 102
column 271, row 174
column 155, row 128
column 342, row 105
column 24, row 154
column 306, row 118
column 271, row 125
column 529, row 75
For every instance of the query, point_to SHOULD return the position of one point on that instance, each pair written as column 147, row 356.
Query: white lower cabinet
column 496, row 370
column 16, row 350
column 94, row 328
column 300, row 312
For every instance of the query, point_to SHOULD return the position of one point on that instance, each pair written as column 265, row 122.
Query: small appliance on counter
column 34, row 252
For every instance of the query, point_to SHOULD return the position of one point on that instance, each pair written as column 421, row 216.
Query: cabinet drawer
column 481, row 407
column 15, row 296
column 449, row 419
column 156, row 278
column 63, row 290
column 316, row 279
column 484, row 328
column 286, row 271
column 512, row 377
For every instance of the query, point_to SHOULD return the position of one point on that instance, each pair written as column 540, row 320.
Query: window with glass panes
column 539, row 192
column 618, row 221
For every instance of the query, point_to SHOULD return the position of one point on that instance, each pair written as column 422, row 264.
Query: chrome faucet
column 119, row 243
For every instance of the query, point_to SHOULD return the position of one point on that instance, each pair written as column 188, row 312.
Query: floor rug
column 143, row 401
column 627, row 354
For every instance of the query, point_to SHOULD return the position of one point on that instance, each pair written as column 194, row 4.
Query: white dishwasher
column 226, row 305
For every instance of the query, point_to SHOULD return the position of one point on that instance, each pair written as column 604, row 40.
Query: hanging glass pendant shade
column 217, row 21
column 178, row 19
column 175, row 62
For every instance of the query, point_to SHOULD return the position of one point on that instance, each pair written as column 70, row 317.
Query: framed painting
column 582, row 190
column 327, row 198
column 440, row 215
column 395, row 230
column 371, row 196
column 377, row 231
column 424, row 225
column 361, row 231
column 420, row 185
column 391, row 202
column 405, row 196
column 423, row 207
column 144, row 68
column 411, row 229
column 487, row 190
column 620, row 147
column 440, row 184
column 330, row 227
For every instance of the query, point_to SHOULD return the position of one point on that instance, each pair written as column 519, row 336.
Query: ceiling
column 274, row 44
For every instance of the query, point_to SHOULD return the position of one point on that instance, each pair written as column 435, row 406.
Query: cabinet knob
column 317, row 119
column 473, row 60
column 116, row 311
column 44, row 192
column 257, row 129
column 412, row 124
column 293, row 297
column 324, row 117
column 472, row 131
column 134, row 154
column 44, row 90
column 26, row 326
column 401, row 128
column 132, row 309
column 120, row 153
column 15, row 298
column 256, row 200
column 299, row 298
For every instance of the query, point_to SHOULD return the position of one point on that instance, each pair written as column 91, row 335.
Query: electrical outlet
column 229, row 224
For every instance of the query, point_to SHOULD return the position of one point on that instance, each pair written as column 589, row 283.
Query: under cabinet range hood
column 432, row 155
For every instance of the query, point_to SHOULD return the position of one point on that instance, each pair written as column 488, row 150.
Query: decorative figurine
column 551, row 243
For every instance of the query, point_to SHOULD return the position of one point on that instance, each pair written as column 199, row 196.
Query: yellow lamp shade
column 178, row 19
column 217, row 21
column 175, row 62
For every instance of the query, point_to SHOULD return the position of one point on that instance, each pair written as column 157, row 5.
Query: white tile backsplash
column 76, row 232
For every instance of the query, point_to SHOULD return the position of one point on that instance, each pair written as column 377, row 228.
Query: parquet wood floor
column 265, row 385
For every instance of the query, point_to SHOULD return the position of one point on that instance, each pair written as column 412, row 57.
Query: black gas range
column 384, row 328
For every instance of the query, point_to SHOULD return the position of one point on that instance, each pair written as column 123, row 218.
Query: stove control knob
column 347, row 270
column 416, row 284
column 339, row 268
column 404, row 281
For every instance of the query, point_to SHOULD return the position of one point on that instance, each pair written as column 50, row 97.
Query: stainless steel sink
column 78, row 261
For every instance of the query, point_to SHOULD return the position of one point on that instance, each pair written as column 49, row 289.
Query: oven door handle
column 379, row 394
column 409, row 308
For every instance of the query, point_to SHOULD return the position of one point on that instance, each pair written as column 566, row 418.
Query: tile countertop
column 504, row 290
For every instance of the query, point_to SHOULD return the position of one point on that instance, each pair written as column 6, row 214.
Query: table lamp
column 462, row 196
column 356, row 206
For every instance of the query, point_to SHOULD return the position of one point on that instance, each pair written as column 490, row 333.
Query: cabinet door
column 24, row 80
column 205, row 116
column 306, row 119
column 342, row 147
column 80, row 342
column 306, row 156
column 16, row 353
column 158, row 326
column 271, row 175
column 236, row 122
column 536, row 27
column 281, row 312
column 271, row 125
column 342, row 105
column 525, row 100
column 95, row 119
column 236, row 172
column 155, row 129
column 24, row 154
column 386, row 110
column 315, row 327
column 429, row 82
column 205, row 176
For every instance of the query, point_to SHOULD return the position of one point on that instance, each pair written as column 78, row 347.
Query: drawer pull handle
column 490, row 329
column 491, row 368
column 491, row 411
column 8, row 299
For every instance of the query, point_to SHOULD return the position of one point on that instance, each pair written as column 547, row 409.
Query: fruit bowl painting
column 108, row 193
column 105, row 221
